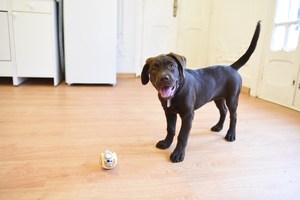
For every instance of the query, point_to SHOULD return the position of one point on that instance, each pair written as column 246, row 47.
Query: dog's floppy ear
column 145, row 72
column 181, row 61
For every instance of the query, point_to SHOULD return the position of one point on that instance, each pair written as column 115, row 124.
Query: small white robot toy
column 108, row 159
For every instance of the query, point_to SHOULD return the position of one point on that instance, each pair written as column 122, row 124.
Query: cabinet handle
column 299, row 86
column 294, row 82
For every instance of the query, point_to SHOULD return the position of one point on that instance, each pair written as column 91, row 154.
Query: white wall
column 232, row 27
column 127, row 36
column 231, row 24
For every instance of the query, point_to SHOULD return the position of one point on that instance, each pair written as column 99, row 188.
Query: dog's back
column 223, row 80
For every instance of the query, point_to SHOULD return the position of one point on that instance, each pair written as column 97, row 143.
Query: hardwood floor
column 51, row 139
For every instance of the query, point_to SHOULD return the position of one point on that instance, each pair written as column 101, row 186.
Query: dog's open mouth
column 167, row 92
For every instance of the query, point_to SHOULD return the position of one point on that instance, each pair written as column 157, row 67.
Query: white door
column 297, row 94
column 176, row 26
column 280, row 76
column 193, row 34
column 282, row 60
column 159, row 28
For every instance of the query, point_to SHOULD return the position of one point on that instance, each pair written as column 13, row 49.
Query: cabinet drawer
column 4, row 38
column 3, row 5
column 39, row 6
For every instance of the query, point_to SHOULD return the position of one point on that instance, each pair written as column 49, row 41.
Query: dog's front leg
column 179, row 152
column 171, row 128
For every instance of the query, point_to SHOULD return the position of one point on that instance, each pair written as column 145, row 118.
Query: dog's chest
column 171, row 106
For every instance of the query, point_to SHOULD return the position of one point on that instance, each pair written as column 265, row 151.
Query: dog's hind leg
column 232, row 104
column 220, row 103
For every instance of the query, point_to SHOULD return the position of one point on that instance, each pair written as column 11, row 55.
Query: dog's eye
column 171, row 66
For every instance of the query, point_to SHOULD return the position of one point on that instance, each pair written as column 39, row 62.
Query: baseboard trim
column 245, row 90
column 126, row 75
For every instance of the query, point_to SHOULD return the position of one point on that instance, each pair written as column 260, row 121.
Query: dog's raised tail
column 242, row 60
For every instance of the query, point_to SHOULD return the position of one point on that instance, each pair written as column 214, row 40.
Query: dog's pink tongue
column 165, row 92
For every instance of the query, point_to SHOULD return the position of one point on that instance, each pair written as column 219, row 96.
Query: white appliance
column 90, row 40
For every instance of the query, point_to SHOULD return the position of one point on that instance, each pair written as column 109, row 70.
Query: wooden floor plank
column 51, row 139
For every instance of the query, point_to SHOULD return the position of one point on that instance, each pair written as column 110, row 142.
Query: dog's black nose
column 165, row 78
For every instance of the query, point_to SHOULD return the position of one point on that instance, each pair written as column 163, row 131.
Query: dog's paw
column 177, row 156
column 216, row 128
column 163, row 144
column 230, row 136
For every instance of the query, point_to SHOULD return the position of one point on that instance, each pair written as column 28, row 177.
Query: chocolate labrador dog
column 181, row 91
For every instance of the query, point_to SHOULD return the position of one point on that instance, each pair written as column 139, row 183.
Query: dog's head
column 164, row 72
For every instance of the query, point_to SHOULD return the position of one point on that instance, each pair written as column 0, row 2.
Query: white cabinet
column 35, row 35
column 4, row 37
column 34, row 53
column 33, row 6
column 6, row 68
column 34, row 40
